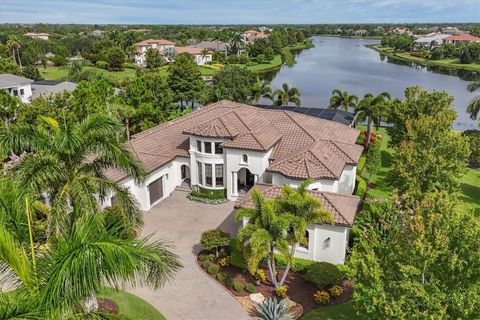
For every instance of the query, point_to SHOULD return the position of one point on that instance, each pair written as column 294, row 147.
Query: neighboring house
column 197, row 54
column 48, row 87
column 216, row 45
column 432, row 40
column 453, row 30
column 17, row 86
column 360, row 33
column 325, row 242
column 461, row 38
column 144, row 45
column 97, row 33
column 252, row 35
column 231, row 147
column 401, row 31
column 33, row 35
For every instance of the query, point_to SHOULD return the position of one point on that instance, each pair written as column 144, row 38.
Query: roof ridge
column 341, row 150
column 289, row 114
column 226, row 127
column 336, row 209
column 328, row 169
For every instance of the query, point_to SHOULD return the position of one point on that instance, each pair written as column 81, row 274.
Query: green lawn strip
column 131, row 306
column 405, row 56
column 342, row 311
column 471, row 189
column 57, row 73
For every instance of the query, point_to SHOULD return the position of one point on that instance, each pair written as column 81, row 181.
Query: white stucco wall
column 346, row 184
column 27, row 92
column 210, row 158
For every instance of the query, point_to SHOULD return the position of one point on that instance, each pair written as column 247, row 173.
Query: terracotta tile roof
column 191, row 50
column 342, row 207
column 154, row 41
column 463, row 37
column 303, row 146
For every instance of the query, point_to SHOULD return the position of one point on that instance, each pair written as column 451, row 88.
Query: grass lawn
column 471, row 189
column 449, row 63
column 131, row 306
column 338, row 312
column 57, row 73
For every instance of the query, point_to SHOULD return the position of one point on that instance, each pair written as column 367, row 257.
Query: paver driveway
column 192, row 295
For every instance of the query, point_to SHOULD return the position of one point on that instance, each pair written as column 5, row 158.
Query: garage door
column 155, row 190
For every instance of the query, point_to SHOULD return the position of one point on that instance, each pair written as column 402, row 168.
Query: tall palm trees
column 13, row 46
column 261, row 89
column 66, row 164
column 286, row 95
column 343, row 100
column 473, row 107
column 371, row 108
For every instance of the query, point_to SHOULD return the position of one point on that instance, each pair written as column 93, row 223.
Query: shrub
column 130, row 65
column 224, row 262
column 238, row 286
column 260, row 275
column 206, row 264
column 213, row 239
column 221, row 276
column 335, row 291
column 229, row 282
column 250, row 287
column 345, row 270
column 297, row 265
column 321, row 297
column 203, row 257
column 208, row 193
column 237, row 259
column 261, row 58
column 274, row 309
column 374, row 158
column 281, row 291
column 323, row 274
column 361, row 187
column 58, row 60
column 115, row 57
column 101, row 64
column 213, row 269
column 361, row 163
column 474, row 137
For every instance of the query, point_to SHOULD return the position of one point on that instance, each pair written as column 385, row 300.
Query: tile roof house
column 197, row 53
column 230, row 147
column 455, row 39
column 143, row 46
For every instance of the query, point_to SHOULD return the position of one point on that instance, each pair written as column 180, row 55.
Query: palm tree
column 75, row 267
column 343, row 100
column 236, row 41
column 263, row 235
column 261, row 89
column 66, row 164
column 371, row 108
column 14, row 46
column 302, row 210
column 473, row 107
column 285, row 95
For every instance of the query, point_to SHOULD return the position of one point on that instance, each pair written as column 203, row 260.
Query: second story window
column 244, row 158
column 218, row 149
column 199, row 146
column 208, row 147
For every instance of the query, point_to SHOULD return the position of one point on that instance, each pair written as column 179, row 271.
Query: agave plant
column 273, row 309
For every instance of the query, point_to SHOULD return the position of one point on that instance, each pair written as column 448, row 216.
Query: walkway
column 192, row 295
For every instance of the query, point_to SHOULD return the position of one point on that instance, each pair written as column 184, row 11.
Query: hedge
column 361, row 164
column 212, row 194
column 237, row 258
column 298, row 265
column 323, row 274
column 361, row 187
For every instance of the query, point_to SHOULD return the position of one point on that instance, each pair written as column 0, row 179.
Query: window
column 208, row 174
column 307, row 240
column 200, row 172
column 155, row 189
column 326, row 243
column 199, row 146
column 219, row 175
column 208, row 147
column 22, row 92
column 15, row 93
column 244, row 158
column 218, row 149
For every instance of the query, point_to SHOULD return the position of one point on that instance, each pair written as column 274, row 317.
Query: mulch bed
column 299, row 289
column 107, row 306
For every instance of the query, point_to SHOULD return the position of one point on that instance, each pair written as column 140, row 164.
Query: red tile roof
column 342, row 207
column 303, row 146
column 154, row 41
column 463, row 37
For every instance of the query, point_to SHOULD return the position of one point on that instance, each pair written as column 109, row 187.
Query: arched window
column 244, row 158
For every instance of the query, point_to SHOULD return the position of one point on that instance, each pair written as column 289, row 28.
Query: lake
column 347, row 64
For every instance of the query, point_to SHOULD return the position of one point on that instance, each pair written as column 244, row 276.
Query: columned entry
column 242, row 181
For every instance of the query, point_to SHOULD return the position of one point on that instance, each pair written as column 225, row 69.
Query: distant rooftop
column 339, row 116
column 9, row 81
column 48, row 87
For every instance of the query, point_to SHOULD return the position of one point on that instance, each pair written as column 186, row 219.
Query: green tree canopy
column 185, row 79
column 234, row 83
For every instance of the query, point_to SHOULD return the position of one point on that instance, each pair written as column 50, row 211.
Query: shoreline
column 349, row 37
column 405, row 56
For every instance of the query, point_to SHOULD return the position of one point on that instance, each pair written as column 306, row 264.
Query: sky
column 237, row 11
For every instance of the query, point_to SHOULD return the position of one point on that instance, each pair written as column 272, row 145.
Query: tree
column 185, row 80
column 473, row 107
column 343, row 100
column 14, row 46
column 66, row 164
column 9, row 106
column 261, row 89
column 371, row 108
column 426, row 266
column 234, row 83
column 46, row 287
column 285, row 95
column 474, row 139
column 154, row 58
column 302, row 210
column 263, row 235
column 417, row 102
column 431, row 158
column 214, row 239
column 115, row 57
column 59, row 60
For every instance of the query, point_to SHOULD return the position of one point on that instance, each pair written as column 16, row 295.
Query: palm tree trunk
column 127, row 128
column 287, row 269
column 19, row 60
column 369, row 132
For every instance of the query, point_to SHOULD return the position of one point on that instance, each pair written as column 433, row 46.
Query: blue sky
column 238, row 11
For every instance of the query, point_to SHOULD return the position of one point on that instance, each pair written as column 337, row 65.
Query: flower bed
column 237, row 281
column 205, row 200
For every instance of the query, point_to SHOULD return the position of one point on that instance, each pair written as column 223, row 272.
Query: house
column 360, row 32
column 461, row 38
column 325, row 242
column 398, row 30
column 197, row 53
column 143, row 46
column 33, row 35
column 453, row 31
column 97, row 33
column 432, row 40
column 230, row 147
column 252, row 35
column 216, row 45
column 48, row 87
column 17, row 86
